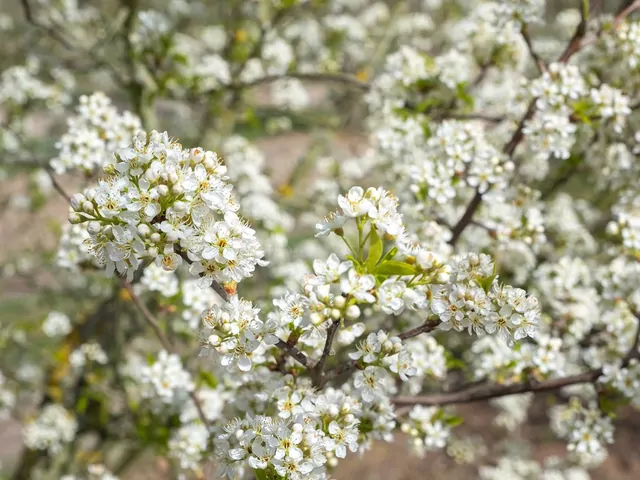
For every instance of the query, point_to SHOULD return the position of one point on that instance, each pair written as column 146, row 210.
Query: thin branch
column 426, row 327
column 28, row 15
column 148, row 316
column 489, row 391
column 625, row 10
column 476, row 201
column 542, row 67
column 294, row 353
column 57, row 186
column 576, row 42
column 317, row 372
column 352, row 365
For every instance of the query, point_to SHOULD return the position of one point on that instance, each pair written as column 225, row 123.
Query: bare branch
column 542, row 67
column 148, row 316
column 426, row 327
column 488, row 391
column 317, row 372
column 294, row 353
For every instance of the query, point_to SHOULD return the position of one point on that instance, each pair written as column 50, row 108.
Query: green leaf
column 375, row 249
column 486, row 282
column 464, row 95
column 208, row 379
column 355, row 261
column 453, row 420
column 81, row 404
column 261, row 474
column 390, row 254
column 393, row 267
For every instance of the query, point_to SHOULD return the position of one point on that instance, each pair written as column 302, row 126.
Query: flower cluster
column 587, row 429
column 94, row 135
column 308, row 431
column 56, row 324
column 54, row 427
column 427, row 428
column 474, row 301
column 235, row 331
column 87, row 352
column 625, row 380
column 164, row 379
column 95, row 471
column 160, row 201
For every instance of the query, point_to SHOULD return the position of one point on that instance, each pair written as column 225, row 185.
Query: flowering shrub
column 484, row 246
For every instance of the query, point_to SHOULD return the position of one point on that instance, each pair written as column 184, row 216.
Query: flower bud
column 74, row 218
column 177, row 190
column 144, row 230
column 94, row 228
column 339, row 301
column 151, row 174
column 163, row 190
column 335, row 314
column 352, row 312
column 155, row 237
column 613, row 229
column 214, row 340
column 87, row 207
column 180, row 206
column 153, row 252
column 77, row 199
column 197, row 155
column 316, row 318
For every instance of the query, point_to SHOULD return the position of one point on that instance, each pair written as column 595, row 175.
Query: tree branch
column 488, row 391
column 542, row 67
column 426, row 327
column 317, row 372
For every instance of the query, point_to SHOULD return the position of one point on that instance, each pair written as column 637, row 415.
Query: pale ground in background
column 384, row 461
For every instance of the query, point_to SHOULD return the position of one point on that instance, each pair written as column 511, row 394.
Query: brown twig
column 426, row 327
column 29, row 16
column 624, row 11
column 542, row 66
column 57, row 186
column 317, row 371
column 294, row 353
column 488, row 391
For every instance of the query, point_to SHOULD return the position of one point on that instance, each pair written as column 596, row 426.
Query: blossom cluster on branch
column 233, row 311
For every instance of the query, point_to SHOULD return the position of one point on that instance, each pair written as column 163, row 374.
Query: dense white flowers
column 56, row 324
column 95, row 471
column 586, row 429
column 94, row 135
column 165, row 379
column 428, row 429
column 499, row 255
column 51, row 430
column 159, row 200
